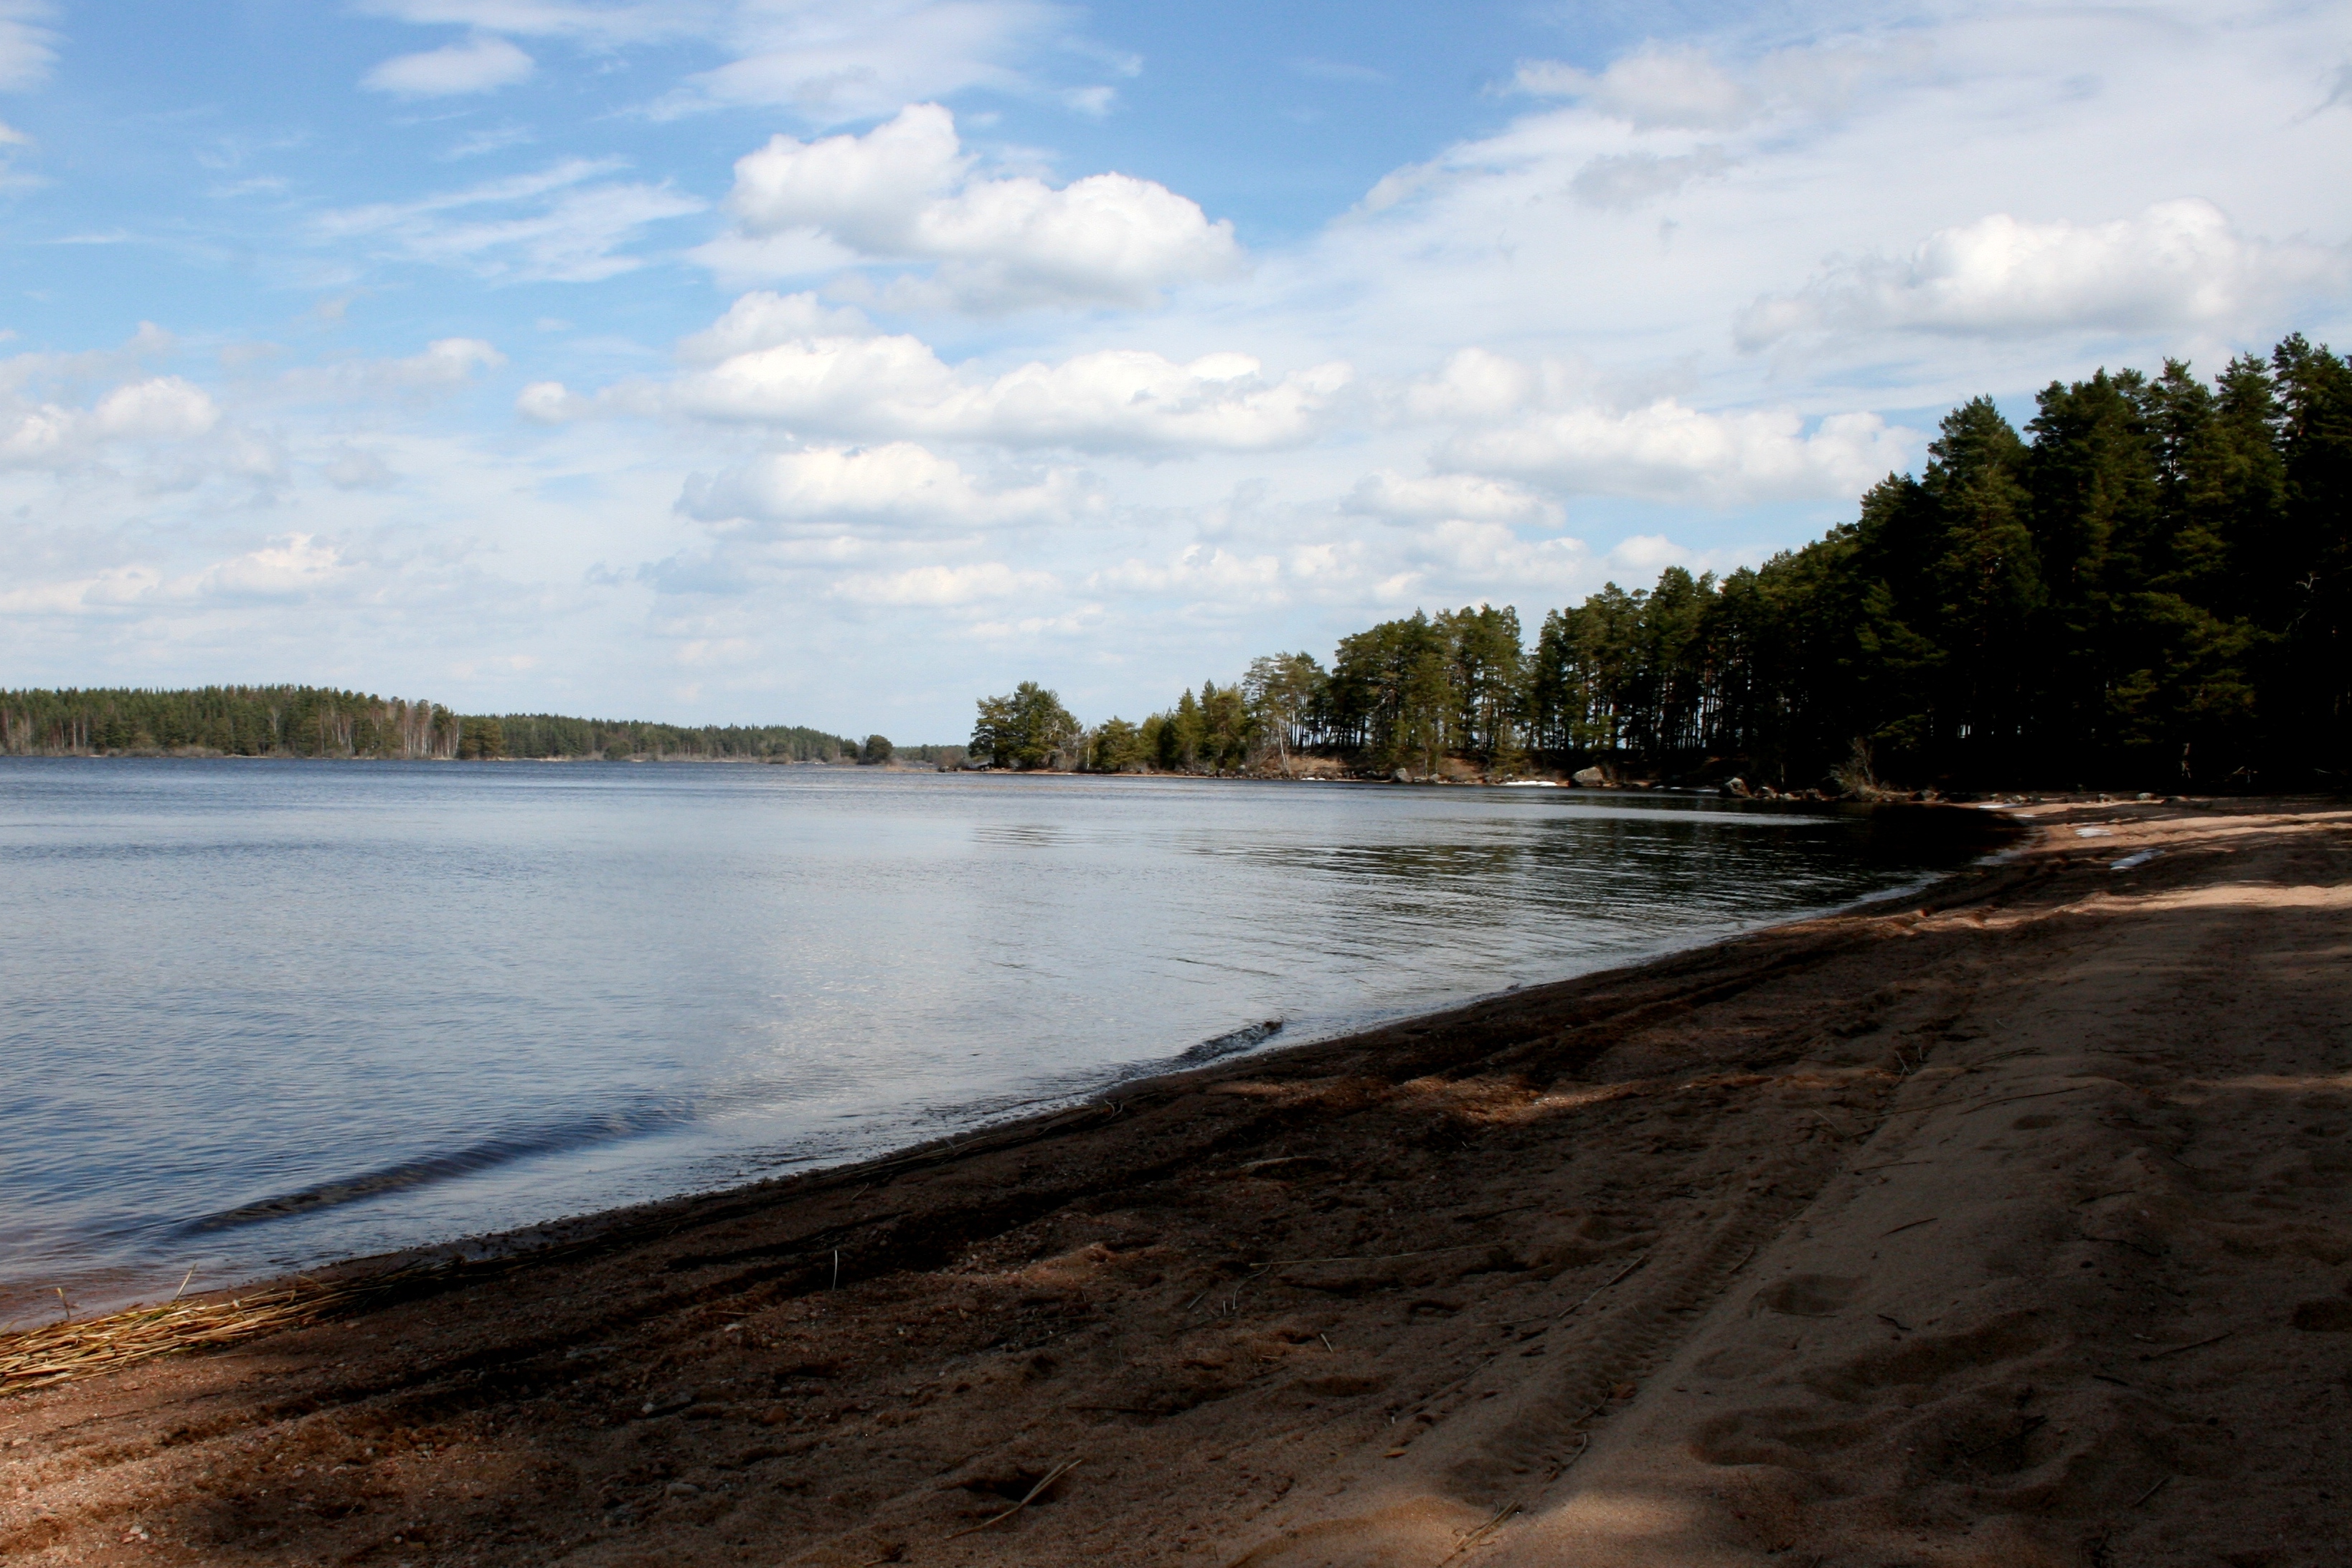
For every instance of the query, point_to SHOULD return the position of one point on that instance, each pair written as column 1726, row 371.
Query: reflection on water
column 263, row 1014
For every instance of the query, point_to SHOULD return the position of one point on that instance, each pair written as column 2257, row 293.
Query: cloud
column 828, row 61
column 1629, row 178
column 354, row 469
column 289, row 567
column 1471, row 556
column 292, row 566
column 1115, row 398
column 1198, row 571
column 1656, row 87
column 762, row 320
column 890, row 386
column 1667, row 451
column 628, row 22
column 1682, row 86
column 48, row 435
column 897, row 488
column 906, row 191
column 26, row 52
column 835, row 63
column 446, row 362
column 2178, row 264
column 943, row 585
column 480, row 63
column 570, row 232
column 1470, row 497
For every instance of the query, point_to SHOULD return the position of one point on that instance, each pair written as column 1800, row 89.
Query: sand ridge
column 2007, row 1225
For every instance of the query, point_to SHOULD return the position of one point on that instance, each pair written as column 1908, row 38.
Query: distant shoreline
column 1992, row 796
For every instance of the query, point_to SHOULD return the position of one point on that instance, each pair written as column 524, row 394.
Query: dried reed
column 35, row 1358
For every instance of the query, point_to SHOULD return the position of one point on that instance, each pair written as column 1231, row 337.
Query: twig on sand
column 1055, row 1474
column 2194, row 1344
column 1378, row 1258
column 1500, row 1517
column 1913, row 1225
column 1613, row 1280
column 1582, row 1448
column 2151, row 1491
column 2014, row 1099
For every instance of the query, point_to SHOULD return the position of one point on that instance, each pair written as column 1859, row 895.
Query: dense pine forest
column 2150, row 587
column 315, row 721
column 551, row 735
column 228, row 720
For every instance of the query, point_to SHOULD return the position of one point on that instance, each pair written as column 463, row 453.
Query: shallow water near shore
column 263, row 1014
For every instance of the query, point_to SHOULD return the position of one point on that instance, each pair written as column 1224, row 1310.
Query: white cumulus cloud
column 890, row 386
column 907, row 192
column 292, row 566
column 942, row 585
column 480, row 63
column 762, row 319
column 1198, row 571
column 1468, row 497
column 51, row 436
column 1669, row 451
column 900, row 487
column 2176, row 264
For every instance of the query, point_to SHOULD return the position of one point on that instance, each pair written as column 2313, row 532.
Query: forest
column 541, row 735
column 318, row 722
column 2148, row 586
column 226, row 720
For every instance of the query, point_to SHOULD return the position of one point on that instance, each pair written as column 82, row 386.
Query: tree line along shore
column 322, row 722
column 2147, row 587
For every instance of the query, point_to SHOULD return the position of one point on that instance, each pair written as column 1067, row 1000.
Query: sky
column 838, row 361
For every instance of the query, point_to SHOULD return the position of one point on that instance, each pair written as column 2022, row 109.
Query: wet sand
column 2007, row 1226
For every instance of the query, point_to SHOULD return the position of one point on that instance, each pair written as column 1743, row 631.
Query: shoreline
column 1978, row 830
column 1724, row 1231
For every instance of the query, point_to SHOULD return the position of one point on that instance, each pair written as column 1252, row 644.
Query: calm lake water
column 261, row 1014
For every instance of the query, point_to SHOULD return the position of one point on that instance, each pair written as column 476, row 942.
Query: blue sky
column 800, row 359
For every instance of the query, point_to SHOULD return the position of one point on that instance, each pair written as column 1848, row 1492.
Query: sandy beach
column 2005, row 1225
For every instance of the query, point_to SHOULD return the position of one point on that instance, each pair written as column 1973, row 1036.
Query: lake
column 260, row 1015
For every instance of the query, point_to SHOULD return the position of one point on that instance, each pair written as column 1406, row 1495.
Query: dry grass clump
column 35, row 1358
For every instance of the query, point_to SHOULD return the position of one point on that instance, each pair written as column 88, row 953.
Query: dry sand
column 2010, row 1227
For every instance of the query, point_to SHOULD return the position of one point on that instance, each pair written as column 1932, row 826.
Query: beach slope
column 2007, row 1226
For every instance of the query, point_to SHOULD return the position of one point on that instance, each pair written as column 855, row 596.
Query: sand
column 2007, row 1226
